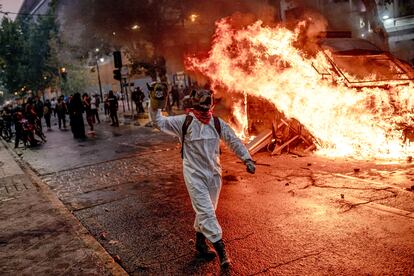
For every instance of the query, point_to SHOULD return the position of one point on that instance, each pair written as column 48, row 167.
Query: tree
column 40, row 74
column 26, row 52
column 12, row 55
column 76, row 81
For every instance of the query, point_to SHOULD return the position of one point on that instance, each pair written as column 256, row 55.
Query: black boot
column 221, row 251
column 203, row 248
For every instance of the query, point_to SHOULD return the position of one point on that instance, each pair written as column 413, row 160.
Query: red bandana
column 202, row 116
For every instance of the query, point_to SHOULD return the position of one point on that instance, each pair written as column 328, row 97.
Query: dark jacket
column 113, row 103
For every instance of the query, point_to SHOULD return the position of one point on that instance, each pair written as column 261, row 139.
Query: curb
column 75, row 224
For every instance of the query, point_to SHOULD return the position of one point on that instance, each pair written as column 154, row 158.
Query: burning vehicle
column 357, row 63
column 346, row 98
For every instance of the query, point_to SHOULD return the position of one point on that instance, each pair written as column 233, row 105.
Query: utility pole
column 99, row 80
column 122, row 93
column 118, row 73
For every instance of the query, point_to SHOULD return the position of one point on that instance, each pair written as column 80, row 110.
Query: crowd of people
column 24, row 120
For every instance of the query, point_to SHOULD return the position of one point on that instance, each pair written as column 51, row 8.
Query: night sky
column 10, row 6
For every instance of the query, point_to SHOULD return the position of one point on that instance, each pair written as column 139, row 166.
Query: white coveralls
column 201, row 165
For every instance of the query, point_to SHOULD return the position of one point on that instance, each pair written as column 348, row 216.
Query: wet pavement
column 296, row 216
column 62, row 152
column 36, row 237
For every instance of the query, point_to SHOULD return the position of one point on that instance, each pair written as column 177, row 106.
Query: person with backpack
column 200, row 133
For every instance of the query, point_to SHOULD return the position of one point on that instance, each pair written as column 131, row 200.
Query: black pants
column 77, row 126
column 47, row 119
column 140, row 107
column 62, row 118
column 19, row 133
column 96, row 114
column 114, row 117
column 176, row 100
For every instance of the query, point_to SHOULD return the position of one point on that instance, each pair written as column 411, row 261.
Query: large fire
column 239, row 110
column 262, row 61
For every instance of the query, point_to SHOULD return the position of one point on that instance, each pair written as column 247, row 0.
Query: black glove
column 250, row 166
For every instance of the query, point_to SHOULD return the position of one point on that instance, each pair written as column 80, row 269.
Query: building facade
column 396, row 21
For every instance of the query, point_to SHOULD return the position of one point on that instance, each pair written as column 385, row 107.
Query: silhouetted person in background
column 47, row 113
column 90, row 117
column 95, row 101
column 61, row 110
column 113, row 108
column 38, row 107
column 76, row 119
column 175, row 96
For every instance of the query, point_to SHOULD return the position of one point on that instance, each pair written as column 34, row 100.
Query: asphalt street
column 295, row 216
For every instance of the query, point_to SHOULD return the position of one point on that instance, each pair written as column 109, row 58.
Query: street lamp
column 193, row 17
column 135, row 27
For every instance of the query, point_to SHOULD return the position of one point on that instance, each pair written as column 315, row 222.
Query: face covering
column 202, row 116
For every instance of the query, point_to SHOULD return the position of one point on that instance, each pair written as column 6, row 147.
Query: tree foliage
column 25, row 52
column 12, row 55
column 76, row 81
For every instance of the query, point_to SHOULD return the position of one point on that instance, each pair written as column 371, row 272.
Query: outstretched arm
column 234, row 142
column 170, row 125
column 237, row 146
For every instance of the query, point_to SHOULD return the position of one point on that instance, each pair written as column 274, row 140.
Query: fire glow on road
column 263, row 61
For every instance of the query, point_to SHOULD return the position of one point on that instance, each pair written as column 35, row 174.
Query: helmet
column 202, row 99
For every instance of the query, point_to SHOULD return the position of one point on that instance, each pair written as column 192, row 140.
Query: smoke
column 169, row 28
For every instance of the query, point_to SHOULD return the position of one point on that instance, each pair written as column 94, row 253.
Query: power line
column 23, row 14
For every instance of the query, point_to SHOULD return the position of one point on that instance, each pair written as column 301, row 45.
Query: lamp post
column 97, row 70
column 99, row 77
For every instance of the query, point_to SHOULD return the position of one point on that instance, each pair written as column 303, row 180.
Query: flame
column 262, row 61
column 239, row 110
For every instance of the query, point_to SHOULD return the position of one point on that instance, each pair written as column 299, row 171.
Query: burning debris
column 317, row 110
column 285, row 135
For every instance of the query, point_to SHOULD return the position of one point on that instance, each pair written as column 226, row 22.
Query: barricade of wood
column 286, row 136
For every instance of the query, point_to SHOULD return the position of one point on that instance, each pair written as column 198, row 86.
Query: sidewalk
column 38, row 236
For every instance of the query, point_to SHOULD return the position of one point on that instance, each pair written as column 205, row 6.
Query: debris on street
column 286, row 136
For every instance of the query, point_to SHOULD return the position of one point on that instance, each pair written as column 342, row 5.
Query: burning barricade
column 319, row 100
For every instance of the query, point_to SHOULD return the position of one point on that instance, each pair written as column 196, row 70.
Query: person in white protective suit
column 200, row 133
